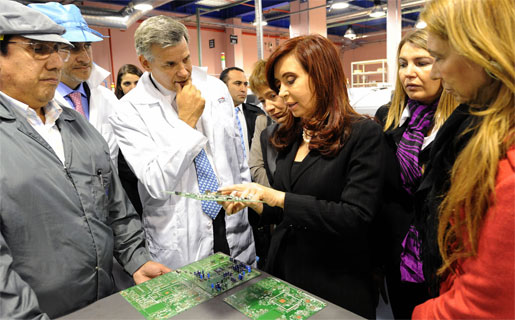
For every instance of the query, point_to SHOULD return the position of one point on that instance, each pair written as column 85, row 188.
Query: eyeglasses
column 79, row 46
column 42, row 51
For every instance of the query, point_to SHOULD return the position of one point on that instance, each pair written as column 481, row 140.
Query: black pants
column 220, row 234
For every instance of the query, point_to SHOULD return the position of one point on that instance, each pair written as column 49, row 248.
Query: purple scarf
column 408, row 151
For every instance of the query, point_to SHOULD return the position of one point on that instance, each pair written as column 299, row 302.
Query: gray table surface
column 116, row 307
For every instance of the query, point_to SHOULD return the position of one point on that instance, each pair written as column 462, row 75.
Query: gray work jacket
column 60, row 225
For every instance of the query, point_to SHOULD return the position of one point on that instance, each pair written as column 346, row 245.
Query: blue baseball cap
column 20, row 20
column 71, row 19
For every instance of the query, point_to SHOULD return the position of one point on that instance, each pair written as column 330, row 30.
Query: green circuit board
column 184, row 288
column 272, row 298
column 218, row 273
column 164, row 296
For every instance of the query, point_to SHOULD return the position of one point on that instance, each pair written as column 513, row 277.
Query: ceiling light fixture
column 350, row 34
column 339, row 5
column 420, row 24
column 377, row 11
column 143, row 7
column 263, row 23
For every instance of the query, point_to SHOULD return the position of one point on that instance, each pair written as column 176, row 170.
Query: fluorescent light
column 377, row 12
column 339, row 5
column 143, row 7
column 421, row 24
column 263, row 23
column 214, row 3
column 350, row 34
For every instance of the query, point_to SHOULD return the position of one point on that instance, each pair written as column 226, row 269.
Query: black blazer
column 322, row 240
column 450, row 140
column 269, row 152
column 251, row 112
column 129, row 183
column 397, row 212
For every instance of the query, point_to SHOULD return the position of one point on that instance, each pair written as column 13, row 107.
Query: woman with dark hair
column 327, row 183
column 128, row 76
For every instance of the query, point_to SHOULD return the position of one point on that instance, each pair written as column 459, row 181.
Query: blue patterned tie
column 237, row 110
column 206, row 181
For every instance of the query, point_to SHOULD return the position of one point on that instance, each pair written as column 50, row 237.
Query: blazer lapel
column 283, row 169
column 308, row 161
column 284, row 165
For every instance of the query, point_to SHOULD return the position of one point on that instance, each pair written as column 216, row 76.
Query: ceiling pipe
column 122, row 20
column 259, row 29
column 109, row 18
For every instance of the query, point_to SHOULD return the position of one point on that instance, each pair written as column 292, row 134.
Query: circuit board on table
column 184, row 288
column 272, row 298
column 164, row 296
column 218, row 273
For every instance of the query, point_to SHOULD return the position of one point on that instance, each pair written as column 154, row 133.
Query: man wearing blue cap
column 63, row 214
column 81, row 80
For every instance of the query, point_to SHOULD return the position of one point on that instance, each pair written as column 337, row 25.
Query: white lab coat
column 101, row 106
column 160, row 149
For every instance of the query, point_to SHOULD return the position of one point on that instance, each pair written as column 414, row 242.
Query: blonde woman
column 471, row 253
column 410, row 122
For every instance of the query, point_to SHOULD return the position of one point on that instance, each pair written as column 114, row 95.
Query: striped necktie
column 237, row 111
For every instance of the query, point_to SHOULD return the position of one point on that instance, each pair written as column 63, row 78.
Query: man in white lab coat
column 81, row 80
column 175, row 116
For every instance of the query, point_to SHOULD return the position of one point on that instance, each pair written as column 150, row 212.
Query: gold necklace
column 306, row 136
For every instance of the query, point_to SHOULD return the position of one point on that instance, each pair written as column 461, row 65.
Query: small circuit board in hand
column 212, row 196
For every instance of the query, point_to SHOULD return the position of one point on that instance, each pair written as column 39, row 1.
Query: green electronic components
column 218, row 273
column 184, row 288
column 164, row 296
column 271, row 298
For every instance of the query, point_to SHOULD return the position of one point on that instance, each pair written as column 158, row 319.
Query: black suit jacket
column 269, row 152
column 251, row 112
column 322, row 240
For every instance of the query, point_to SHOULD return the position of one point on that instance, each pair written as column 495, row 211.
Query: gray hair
column 161, row 30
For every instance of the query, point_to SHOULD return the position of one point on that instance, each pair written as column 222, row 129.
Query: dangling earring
column 495, row 65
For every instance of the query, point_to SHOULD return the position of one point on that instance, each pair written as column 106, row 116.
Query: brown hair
column 126, row 68
column 333, row 114
column 257, row 80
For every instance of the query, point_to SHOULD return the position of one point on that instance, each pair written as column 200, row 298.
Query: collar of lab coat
column 97, row 76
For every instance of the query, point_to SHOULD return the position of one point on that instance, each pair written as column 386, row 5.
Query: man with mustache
column 63, row 213
column 177, row 130
column 81, row 80
column 81, row 86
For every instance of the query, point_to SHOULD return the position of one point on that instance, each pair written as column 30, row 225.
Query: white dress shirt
column 48, row 130
column 239, row 113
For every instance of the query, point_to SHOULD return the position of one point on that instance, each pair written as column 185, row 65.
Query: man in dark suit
column 247, row 113
column 237, row 83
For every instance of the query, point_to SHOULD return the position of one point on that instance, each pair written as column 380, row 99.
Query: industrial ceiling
column 120, row 13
